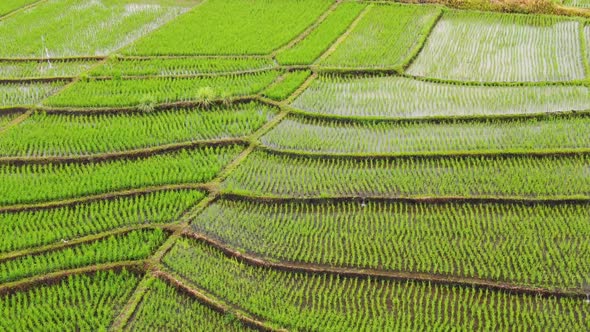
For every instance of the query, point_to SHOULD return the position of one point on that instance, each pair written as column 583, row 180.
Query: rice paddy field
column 293, row 165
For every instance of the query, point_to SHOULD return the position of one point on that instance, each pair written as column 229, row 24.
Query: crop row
column 326, row 302
column 32, row 69
column 163, row 308
column 232, row 27
column 134, row 245
column 393, row 97
column 65, row 135
column 150, row 91
column 494, row 47
column 539, row 245
column 533, row 177
column 287, row 85
column 26, row 94
column 387, row 36
column 41, row 227
column 316, row 135
column 577, row 3
column 60, row 181
column 73, row 27
column 320, row 39
column 117, row 67
column 79, row 302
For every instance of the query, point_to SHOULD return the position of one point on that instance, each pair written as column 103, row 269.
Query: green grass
column 27, row 94
column 117, row 67
column 287, row 85
column 232, row 27
column 35, row 69
column 79, row 302
column 495, row 47
column 321, row 302
column 325, row 136
column 81, row 27
column 61, row 181
column 499, row 242
column 65, row 135
column 149, row 91
column 268, row 174
column 164, row 308
column 321, row 38
column 394, row 97
column 48, row 226
column 387, row 36
column 134, row 245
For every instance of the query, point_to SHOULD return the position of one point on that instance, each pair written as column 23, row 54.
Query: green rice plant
column 320, row 39
column 367, row 137
column 77, row 303
column 42, row 227
column 320, row 302
column 494, row 47
column 395, row 97
column 134, row 245
column 131, row 92
column 287, row 85
column 8, row 6
column 387, row 36
column 232, row 27
column 61, row 181
column 59, row 28
column 65, row 135
column 178, row 66
column 540, row 245
column 533, row 177
column 577, row 3
column 164, row 308
column 26, row 94
column 36, row 69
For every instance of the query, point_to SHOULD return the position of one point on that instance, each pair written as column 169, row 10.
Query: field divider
column 194, row 56
column 127, row 154
column 103, row 196
column 60, row 59
column 309, row 29
column 343, row 36
column 29, row 80
column 584, row 49
column 251, row 197
column 20, row 9
column 54, row 277
column 506, row 153
column 430, row 119
column 413, row 54
column 213, row 302
column 127, row 312
column 82, row 240
column 293, row 267
column 16, row 121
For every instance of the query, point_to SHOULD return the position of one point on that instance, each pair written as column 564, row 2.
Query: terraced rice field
column 293, row 165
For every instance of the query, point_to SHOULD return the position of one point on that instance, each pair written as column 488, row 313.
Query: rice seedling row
column 220, row 27
column 78, row 302
column 387, row 36
column 37, row 69
column 135, row 245
column 62, row 181
column 494, row 47
column 58, row 28
column 401, row 97
column 368, row 137
column 54, row 225
column 287, row 85
column 117, row 67
column 326, row 302
column 319, row 40
column 577, row 3
column 165, row 308
column 76, row 134
column 528, row 245
column 27, row 94
column 270, row 174
column 151, row 91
